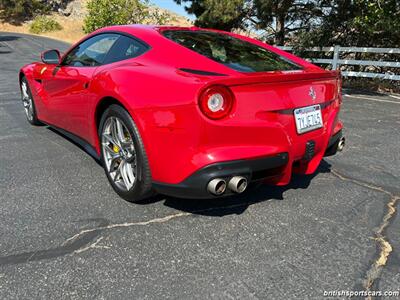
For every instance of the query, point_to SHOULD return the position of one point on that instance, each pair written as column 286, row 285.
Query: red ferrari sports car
column 187, row 112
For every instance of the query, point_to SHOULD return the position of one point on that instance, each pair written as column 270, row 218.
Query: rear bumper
column 195, row 186
column 270, row 169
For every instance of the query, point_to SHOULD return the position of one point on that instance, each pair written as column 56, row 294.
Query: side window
column 91, row 52
column 125, row 48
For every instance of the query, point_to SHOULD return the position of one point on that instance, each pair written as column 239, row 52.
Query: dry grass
column 71, row 32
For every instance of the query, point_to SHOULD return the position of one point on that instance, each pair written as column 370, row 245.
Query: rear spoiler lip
column 269, row 78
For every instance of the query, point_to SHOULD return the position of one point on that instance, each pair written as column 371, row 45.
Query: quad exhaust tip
column 341, row 144
column 237, row 184
column 217, row 186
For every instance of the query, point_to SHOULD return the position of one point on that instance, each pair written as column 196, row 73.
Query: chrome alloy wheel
column 27, row 101
column 119, row 153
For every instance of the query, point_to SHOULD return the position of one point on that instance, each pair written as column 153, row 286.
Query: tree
column 304, row 22
column 219, row 14
column 274, row 18
column 356, row 23
column 284, row 17
column 377, row 23
column 103, row 13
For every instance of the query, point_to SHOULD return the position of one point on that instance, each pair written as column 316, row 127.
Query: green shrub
column 103, row 13
column 44, row 24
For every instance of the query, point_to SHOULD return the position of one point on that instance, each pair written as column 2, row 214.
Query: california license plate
column 308, row 118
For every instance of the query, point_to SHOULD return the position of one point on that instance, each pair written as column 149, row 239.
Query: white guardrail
column 335, row 61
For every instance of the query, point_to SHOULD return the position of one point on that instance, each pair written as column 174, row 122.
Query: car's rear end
column 276, row 116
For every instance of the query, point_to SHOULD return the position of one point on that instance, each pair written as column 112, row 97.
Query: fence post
column 335, row 57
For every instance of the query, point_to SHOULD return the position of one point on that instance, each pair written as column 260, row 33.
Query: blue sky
column 172, row 6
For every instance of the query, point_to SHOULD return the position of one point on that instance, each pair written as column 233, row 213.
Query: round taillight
column 216, row 102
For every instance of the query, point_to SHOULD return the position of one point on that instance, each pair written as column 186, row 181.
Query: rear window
column 232, row 52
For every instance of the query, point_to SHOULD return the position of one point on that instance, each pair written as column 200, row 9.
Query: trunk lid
column 283, row 90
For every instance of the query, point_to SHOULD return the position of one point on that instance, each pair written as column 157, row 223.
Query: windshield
column 232, row 52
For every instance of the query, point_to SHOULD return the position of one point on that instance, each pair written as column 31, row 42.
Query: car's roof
column 149, row 31
column 141, row 27
column 164, row 51
column 171, row 53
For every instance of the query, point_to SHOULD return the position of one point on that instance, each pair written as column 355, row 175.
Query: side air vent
column 201, row 72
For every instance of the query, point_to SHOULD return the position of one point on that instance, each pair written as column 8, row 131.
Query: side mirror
column 51, row 57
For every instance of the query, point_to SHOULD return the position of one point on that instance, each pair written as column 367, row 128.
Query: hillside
column 71, row 19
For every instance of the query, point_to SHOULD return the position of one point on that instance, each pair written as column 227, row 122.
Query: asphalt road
column 64, row 234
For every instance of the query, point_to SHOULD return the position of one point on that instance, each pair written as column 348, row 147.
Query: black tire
column 32, row 118
column 142, row 187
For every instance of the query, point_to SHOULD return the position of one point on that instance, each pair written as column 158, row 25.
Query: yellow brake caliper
column 116, row 148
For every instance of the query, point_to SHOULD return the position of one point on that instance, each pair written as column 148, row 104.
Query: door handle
column 86, row 85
